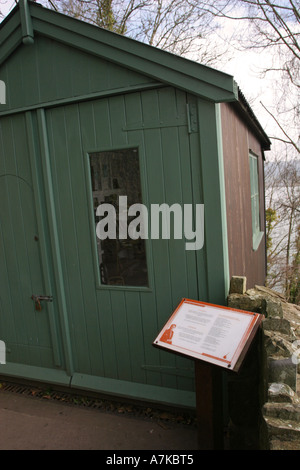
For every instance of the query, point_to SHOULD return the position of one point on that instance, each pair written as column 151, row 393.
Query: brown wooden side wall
column 238, row 139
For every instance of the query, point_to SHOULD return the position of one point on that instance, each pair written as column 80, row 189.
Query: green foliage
column 271, row 219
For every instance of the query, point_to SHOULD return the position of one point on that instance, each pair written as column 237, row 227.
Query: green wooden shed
column 89, row 116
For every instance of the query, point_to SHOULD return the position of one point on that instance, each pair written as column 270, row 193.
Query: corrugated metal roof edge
column 244, row 107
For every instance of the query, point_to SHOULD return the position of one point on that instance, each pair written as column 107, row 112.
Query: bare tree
column 177, row 26
column 273, row 26
column 283, row 224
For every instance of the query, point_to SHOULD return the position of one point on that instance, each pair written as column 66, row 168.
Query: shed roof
column 29, row 20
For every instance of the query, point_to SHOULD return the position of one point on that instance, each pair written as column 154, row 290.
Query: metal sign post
column 217, row 338
column 209, row 406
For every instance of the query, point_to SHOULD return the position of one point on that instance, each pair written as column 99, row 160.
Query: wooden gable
column 40, row 41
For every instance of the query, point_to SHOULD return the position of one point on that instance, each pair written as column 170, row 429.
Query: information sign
column 212, row 333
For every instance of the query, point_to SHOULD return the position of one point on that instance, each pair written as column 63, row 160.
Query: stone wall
column 264, row 407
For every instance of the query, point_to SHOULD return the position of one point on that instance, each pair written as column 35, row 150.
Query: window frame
column 90, row 204
column 257, row 233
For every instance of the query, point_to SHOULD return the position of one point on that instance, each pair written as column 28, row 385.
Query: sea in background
column 282, row 191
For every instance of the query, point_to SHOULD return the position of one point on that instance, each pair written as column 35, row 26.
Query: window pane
column 253, row 214
column 251, row 161
column 254, row 194
column 115, row 174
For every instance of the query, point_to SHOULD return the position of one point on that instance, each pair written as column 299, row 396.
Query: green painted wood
column 42, row 230
column 45, row 375
column 25, row 331
column 198, row 198
column 214, row 197
column 147, row 316
column 65, row 223
column 161, row 262
column 95, row 115
column 10, row 36
column 52, row 71
column 121, row 334
column 223, row 201
column 136, row 391
column 161, row 186
column 136, row 336
column 58, row 274
column 86, row 90
column 154, row 63
column 26, row 23
column 9, row 24
column 176, row 261
column 140, row 392
column 74, row 159
column 108, row 340
column 112, row 328
column 170, row 69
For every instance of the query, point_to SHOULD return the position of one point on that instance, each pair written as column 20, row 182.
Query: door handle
column 37, row 300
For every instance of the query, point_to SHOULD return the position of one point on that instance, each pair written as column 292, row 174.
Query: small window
column 115, row 177
column 255, row 207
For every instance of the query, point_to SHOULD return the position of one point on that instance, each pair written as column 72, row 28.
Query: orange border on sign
column 241, row 346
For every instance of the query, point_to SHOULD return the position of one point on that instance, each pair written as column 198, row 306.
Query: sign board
column 212, row 333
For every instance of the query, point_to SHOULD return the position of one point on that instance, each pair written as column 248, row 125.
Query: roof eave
column 32, row 19
column 245, row 109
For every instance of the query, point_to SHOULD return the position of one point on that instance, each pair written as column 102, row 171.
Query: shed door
column 28, row 329
column 122, row 292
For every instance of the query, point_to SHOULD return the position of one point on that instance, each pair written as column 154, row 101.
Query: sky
column 7, row 6
column 244, row 66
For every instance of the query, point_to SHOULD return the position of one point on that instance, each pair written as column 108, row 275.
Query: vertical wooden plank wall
column 52, row 71
column 112, row 329
column 30, row 335
column 237, row 141
column 108, row 332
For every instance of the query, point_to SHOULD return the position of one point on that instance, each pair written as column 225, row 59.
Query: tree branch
column 290, row 140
